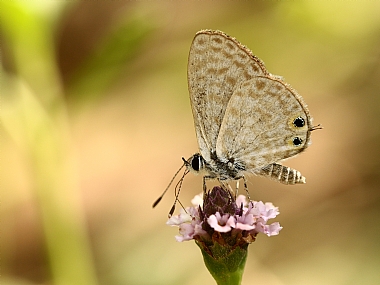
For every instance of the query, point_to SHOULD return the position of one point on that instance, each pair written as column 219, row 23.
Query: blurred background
column 96, row 117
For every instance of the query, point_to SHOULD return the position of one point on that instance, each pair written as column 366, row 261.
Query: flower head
column 223, row 228
column 222, row 218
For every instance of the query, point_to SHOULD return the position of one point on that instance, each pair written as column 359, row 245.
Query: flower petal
column 273, row 229
column 197, row 200
column 180, row 219
column 218, row 224
column 241, row 199
column 186, row 232
column 244, row 227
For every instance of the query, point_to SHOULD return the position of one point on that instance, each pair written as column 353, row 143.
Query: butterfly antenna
column 317, row 127
column 177, row 189
column 171, row 181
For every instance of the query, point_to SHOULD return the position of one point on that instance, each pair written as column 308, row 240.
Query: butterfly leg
column 246, row 187
column 227, row 187
column 204, row 183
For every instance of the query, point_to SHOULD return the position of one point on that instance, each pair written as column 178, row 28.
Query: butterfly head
column 195, row 164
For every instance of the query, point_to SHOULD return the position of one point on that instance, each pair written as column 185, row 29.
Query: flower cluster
column 222, row 218
column 222, row 228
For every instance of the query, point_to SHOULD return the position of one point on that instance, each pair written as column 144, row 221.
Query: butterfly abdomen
column 283, row 174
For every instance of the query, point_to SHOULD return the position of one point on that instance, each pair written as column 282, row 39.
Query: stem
column 226, row 265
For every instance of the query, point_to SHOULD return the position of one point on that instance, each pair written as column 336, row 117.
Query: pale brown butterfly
column 246, row 119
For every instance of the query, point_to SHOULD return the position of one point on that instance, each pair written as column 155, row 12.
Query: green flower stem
column 226, row 264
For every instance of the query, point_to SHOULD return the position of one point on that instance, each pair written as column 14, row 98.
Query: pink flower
column 189, row 223
column 220, row 223
column 221, row 213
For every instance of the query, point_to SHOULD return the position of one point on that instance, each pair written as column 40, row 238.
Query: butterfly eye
column 299, row 122
column 297, row 141
column 196, row 162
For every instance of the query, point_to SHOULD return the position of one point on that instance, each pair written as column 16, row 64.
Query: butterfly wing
column 217, row 64
column 265, row 121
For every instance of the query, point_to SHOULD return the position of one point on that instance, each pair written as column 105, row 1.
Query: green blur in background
column 96, row 117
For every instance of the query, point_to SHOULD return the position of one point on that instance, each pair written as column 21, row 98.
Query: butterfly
column 246, row 119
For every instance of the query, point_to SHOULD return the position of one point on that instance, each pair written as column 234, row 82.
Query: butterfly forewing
column 217, row 64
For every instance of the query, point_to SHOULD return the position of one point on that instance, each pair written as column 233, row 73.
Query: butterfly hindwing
column 265, row 121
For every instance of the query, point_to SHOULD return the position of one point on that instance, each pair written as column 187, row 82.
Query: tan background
column 96, row 118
